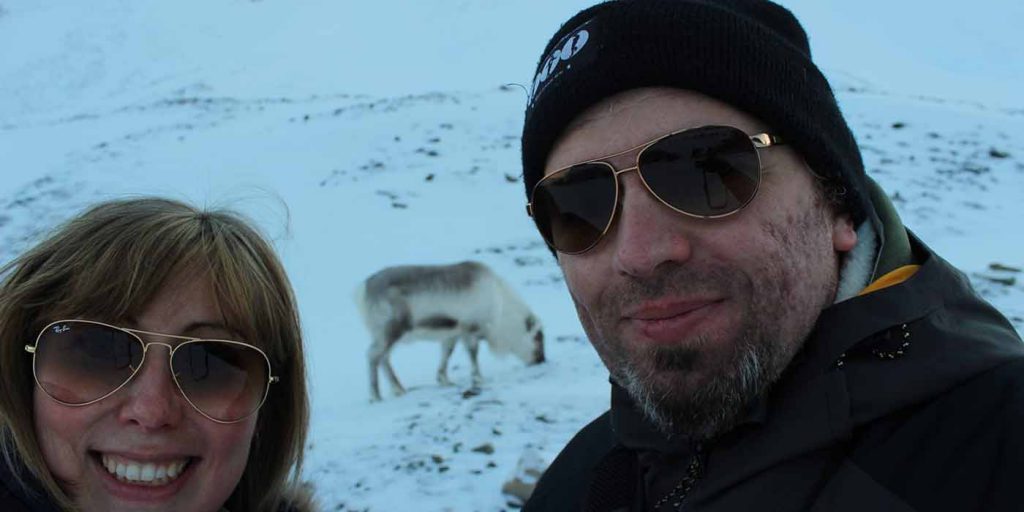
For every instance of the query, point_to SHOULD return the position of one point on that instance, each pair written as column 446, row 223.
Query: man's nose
column 152, row 398
column 646, row 233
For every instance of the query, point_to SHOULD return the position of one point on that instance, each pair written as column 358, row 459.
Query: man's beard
column 702, row 386
column 713, row 406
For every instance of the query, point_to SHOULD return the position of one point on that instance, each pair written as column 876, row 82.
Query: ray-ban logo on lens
column 567, row 48
column 61, row 328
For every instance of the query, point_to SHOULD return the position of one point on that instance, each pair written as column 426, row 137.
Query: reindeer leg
column 375, row 356
column 447, row 346
column 396, row 387
column 394, row 331
column 473, row 347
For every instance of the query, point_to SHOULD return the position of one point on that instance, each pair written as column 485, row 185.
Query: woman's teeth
column 143, row 473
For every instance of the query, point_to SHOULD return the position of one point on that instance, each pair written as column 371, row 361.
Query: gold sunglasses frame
column 759, row 141
column 135, row 333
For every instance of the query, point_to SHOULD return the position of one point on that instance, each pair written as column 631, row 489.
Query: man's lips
column 669, row 321
column 664, row 309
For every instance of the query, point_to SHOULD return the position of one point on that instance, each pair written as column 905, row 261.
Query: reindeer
column 446, row 303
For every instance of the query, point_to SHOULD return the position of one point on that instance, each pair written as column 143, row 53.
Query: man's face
column 695, row 317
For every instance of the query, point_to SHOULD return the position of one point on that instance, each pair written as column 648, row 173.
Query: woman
column 151, row 357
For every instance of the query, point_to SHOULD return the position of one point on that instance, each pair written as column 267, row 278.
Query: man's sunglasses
column 706, row 172
column 80, row 362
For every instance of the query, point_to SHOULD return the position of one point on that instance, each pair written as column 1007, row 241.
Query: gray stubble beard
column 718, row 404
column 761, row 351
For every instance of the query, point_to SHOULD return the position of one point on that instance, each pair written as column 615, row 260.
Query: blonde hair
column 108, row 263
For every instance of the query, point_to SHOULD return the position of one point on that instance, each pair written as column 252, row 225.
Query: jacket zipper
column 679, row 494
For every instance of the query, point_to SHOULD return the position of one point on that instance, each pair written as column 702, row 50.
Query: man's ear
column 844, row 236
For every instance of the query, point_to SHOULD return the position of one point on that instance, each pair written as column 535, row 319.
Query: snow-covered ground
column 366, row 134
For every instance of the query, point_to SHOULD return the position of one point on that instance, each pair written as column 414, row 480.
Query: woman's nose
column 152, row 400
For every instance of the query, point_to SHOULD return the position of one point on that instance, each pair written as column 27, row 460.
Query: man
column 776, row 339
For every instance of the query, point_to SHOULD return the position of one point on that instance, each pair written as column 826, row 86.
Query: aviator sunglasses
column 80, row 362
column 706, row 172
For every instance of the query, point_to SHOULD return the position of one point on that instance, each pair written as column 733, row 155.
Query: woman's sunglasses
column 80, row 362
column 706, row 172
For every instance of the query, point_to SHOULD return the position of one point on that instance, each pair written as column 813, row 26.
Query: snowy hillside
column 360, row 136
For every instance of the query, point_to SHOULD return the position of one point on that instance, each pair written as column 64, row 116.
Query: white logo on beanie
column 566, row 49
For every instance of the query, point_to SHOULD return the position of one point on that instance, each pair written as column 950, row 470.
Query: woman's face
column 148, row 427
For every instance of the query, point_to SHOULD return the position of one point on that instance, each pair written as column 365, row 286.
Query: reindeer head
column 534, row 340
column 516, row 329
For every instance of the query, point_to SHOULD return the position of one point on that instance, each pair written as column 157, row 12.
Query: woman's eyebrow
column 211, row 325
column 191, row 329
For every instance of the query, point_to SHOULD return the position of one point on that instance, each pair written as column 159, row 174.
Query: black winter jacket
column 15, row 498
column 853, row 425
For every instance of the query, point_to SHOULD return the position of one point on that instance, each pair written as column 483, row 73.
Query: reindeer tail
column 359, row 297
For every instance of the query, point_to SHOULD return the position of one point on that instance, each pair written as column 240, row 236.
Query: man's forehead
column 617, row 104
column 634, row 117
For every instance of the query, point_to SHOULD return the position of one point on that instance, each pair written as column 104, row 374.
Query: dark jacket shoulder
column 565, row 483
column 10, row 502
column 16, row 497
column 964, row 450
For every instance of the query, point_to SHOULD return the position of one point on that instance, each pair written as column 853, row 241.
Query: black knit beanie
column 751, row 54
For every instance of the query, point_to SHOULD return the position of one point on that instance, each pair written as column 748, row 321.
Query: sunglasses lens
column 708, row 171
column 227, row 381
column 79, row 362
column 573, row 208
